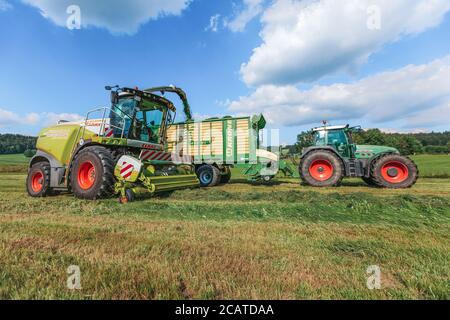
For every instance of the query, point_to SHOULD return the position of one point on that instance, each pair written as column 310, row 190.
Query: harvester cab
column 334, row 155
column 115, row 150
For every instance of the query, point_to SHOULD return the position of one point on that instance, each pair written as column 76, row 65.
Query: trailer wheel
column 208, row 175
column 394, row 171
column 92, row 173
column 38, row 180
column 321, row 168
column 225, row 178
column 266, row 179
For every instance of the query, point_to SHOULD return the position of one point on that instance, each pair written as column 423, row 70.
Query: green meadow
column 236, row 241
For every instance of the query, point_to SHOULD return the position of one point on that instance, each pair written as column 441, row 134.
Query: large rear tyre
column 208, row 175
column 321, row 168
column 38, row 180
column 394, row 171
column 92, row 173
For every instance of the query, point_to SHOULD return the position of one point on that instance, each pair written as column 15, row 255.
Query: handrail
column 104, row 111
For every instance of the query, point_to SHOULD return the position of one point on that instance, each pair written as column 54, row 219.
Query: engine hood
column 369, row 150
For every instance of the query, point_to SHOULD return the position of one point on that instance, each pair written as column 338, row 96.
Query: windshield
column 140, row 120
column 319, row 138
column 334, row 137
column 121, row 115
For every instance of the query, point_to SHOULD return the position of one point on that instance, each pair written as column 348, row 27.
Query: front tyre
column 92, row 173
column 394, row 171
column 38, row 180
column 321, row 168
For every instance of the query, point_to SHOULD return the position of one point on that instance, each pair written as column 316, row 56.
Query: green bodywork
column 231, row 131
column 369, row 151
column 341, row 139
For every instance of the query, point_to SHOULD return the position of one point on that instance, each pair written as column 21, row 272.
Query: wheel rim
column 394, row 172
column 86, row 175
column 205, row 177
column 37, row 181
column 321, row 170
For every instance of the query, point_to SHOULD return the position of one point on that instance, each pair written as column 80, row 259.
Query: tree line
column 16, row 143
column 406, row 143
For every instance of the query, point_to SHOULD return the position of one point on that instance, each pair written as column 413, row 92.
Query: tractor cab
column 338, row 137
column 140, row 115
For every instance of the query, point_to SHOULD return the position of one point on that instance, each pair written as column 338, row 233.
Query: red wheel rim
column 321, row 170
column 37, row 181
column 86, row 175
column 394, row 172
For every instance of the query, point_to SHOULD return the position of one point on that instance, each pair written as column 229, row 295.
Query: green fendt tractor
column 116, row 150
column 334, row 156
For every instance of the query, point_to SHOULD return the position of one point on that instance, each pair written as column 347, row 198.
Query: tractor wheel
column 394, row 171
column 38, row 180
column 208, row 175
column 321, row 168
column 92, row 173
column 224, row 179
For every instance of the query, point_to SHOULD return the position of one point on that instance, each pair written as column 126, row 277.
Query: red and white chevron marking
column 109, row 132
column 127, row 170
column 155, row 155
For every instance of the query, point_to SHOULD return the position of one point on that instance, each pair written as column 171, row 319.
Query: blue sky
column 394, row 76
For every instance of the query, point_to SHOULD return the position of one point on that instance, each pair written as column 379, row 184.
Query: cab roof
column 330, row 128
column 149, row 96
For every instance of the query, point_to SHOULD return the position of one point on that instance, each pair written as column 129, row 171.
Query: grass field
column 240, row 240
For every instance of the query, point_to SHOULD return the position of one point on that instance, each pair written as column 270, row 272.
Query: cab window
column 319, row 138
column 336, row 137
column 121, row 115
column 147, row 125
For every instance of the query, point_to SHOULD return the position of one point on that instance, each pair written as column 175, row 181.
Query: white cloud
column 4, row 5
column 118, row 16
column 9, row 119
column 416, row 95
column 213, row 23
column 306, row 40
column 53, row 118
column 396, row 130
column 252, row 9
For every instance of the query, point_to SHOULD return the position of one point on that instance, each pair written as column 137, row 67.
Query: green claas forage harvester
column 116, row 150
column 334, row 156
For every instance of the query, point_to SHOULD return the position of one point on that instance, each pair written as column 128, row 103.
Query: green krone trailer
column 215, row 145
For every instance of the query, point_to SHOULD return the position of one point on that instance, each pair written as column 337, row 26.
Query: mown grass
column 239, row 241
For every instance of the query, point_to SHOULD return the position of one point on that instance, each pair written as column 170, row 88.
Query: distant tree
column 29, row 153
column 15, row 143
column 304, row 140
column 371, row 137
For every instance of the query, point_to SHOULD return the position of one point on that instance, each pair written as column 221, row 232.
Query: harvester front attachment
column 134, row 177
